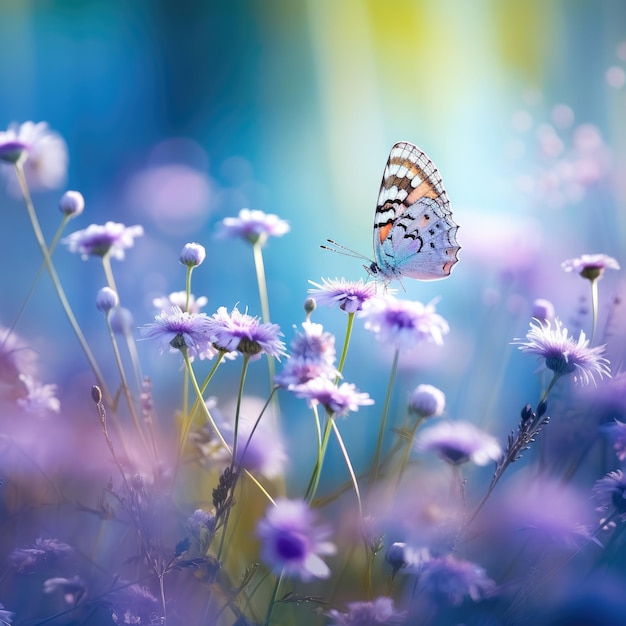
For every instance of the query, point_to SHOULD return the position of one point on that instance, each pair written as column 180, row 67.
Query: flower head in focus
column 291, row 541
column 459, row 442
column 563, row 354
column 349, row 296
column 590, row 266
column 99, row 240
column 253, row 226
column 175, row 329
column 403, row 323
column 41, row 152
column 244, row 333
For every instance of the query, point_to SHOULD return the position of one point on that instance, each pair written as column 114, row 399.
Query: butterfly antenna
column 339, row 249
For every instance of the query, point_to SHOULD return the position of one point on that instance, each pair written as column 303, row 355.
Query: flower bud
column 107, row 299
column 427, row 401
column 192, row 255
column 72, row 203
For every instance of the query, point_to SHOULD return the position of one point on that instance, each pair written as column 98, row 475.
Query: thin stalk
column 594, row 308
column 383, row 420
column 209, row 417
column 351, row 471
column 317, row 471
column 270, row 608
column 108, row 272
column 407, row 453
column 124, row 381
column 36, row 280
column 189, row 416
column 57, row 283
column 242, row 380
column 257, row 250
column 346, row 344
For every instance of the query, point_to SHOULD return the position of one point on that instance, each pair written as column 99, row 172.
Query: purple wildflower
column 403, row 323
column 454, row 579
column 427, row 401
column 40, row 399
column 99, row 240
column 338, row 400
column 72, row 203
column 563, row 354
column 347, row 295
column 192, row 255
column 42, row 152
column 312, row 356
column 179, row 299
column 459, row 442
column 177, row 329
column 291, row 541
column 244, row 333
column 253, row 226
column 610, row 494
column 376, row 612
column 590, row 266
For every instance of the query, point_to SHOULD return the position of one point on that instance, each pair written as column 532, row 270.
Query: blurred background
column 178, row 114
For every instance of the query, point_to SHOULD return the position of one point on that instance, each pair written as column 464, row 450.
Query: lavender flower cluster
column 203, row 517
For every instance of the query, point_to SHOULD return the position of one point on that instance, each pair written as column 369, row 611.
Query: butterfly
column 414, row 233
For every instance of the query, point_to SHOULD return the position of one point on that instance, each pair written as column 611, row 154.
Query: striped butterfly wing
column 414, row 233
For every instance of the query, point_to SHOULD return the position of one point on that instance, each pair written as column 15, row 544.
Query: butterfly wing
column 414, row 233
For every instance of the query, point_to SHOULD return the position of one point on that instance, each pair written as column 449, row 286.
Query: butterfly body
column 414, row 233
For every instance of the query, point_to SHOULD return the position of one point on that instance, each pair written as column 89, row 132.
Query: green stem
column 188, row 287
column 270, row 608
column 351, row 471
column 242, row 380
column 124, row 381
column 189, row 417
column 346, row 344
column 594, row 308
column 108, row 272
column 57, row 283
column 555, row 377
column 408, row 445
column 317, row 471
column 36, row 280
column 383, row 420
column 257, row 250
column 209, row 417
